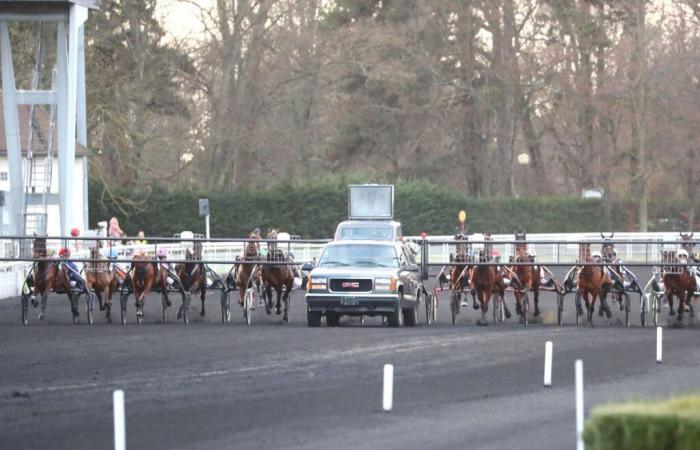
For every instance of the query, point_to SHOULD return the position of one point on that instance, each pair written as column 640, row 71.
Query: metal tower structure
column 30, row 188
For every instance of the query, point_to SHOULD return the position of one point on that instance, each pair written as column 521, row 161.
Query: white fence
column 12, row 273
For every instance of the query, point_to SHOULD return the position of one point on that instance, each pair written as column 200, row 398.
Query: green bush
column 313, row 208
column 672, row 424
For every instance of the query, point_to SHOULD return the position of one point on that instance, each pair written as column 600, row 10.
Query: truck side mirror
column 307, row 266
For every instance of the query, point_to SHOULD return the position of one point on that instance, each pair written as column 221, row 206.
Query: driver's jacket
column 73, row 273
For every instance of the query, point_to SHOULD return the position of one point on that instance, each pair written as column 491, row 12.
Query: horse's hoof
column 600, row 312
column 507, row 314
column 536, row 313
column 608, row 313
column 201, row 313
column 168, row 303
column 579, row 310
column 34, row 302
column 102, row 307
column 42, row 315
column 179, row 314
column 671, row 313
column 278, row 312
column 622, row 307
column 285, row 318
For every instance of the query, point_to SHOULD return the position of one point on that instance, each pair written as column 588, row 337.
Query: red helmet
column 75, row 232
column 64, row 252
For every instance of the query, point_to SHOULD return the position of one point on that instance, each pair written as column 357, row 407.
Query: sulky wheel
column 225, row 307
column 90, row 299
column 454, row 306
column 164, row 302
column 643, row 300
column 525, row 305
column 249, row 305
column 123, row 298
column 24, row 303
column 655, row 306
column 428, row 307
column 560, row 309
column 627, row 309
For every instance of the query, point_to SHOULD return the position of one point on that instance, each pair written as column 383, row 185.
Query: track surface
column 207, row 385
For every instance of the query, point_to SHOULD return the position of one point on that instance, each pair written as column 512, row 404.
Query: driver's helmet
column 113, row 254
column 533, row 253
column 64, row 252
column 162, row 253
column 596, row 255
column 683, row 254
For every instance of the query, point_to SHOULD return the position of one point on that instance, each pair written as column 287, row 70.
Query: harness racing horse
column 527, row 277
column 679, row 281
column 591, row 281
column 247, row 273
column 277, row 276
column 612, row 271
column 486, row 281
column 145, row 275
column 50, row 275
column 192, row 275
column 101, row 280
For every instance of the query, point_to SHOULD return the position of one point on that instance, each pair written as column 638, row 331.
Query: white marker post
column 659, row 344
column 548, row 363
column 119, row 421
column 388, row 396
column 579, row 404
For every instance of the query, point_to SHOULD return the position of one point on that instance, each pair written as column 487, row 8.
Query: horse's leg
column 681, row 306
column 485, row 307
column 536, row 294
column 278, row 306
column 619, row 300
column 42, row 313
column 73, row 305
column 518, row 308
column 594, row 296
column 107, row 296
column 287, row 290
column 689, row 302
column 480, row 295
column 669, row 298
column 202, row 296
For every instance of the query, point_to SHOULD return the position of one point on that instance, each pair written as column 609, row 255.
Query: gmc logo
column 350, row 284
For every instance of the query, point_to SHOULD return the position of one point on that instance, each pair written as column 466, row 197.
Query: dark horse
column 591, row 281
column 487, row 280
column 100, row 280
column 527, row 276
column 279, row 276
column 192, row 274
column 678, row 280
column 50, row 275
column 145, row 275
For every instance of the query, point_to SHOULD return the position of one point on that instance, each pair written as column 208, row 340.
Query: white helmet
column 683, row 253
column 532, row 252
column 596, row 255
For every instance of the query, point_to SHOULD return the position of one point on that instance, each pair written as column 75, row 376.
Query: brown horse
column 614, row 272
column 193, row 276
column 100, row 280
column 487, row 280
column 527, row 276
column 679, row 281
column 591, row 280
column 145, row 274
column 278, row 276
column 50, row 275
column 247, row 273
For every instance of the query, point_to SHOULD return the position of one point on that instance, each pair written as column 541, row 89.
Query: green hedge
column 312, row 210
column 673, row 424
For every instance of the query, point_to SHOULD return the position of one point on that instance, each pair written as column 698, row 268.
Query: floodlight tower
column 67, row 96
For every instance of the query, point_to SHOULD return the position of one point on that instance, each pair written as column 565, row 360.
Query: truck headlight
column 385, row 284
column 317, row 283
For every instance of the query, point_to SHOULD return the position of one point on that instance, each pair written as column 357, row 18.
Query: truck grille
column 348, row 285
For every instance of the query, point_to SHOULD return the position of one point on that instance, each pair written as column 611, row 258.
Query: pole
column 659, row 344
column 206, row 224
column 388, row 394
column 579, row 405
column 548, row 363
column 119, row 421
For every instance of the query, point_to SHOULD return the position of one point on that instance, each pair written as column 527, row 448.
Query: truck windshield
column 359, row 255
column 363, row 232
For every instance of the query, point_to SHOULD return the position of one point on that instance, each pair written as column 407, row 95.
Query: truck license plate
column 348, row 301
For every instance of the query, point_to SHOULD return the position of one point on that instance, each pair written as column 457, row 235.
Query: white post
column 659, row 344
column 579, row 404
column 206, row 225
column 548, row 363
column 119, row 421
column 388, row 395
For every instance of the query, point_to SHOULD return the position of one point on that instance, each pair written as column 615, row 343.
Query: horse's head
column 685, row 242
column 140, row 264
column 520, row 248
column 39, row 248
column 251, row 250
column 608, row 246
column 584, row 251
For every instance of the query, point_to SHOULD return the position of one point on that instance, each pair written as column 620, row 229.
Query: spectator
column 114, row 230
